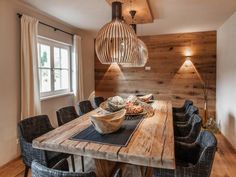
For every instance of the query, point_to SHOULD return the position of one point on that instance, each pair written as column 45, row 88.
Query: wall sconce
column 188, row 55
column 188, row 61
column 188, row 52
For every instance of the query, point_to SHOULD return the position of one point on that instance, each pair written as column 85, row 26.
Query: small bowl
column 114, row 107
column 111, row 107
column 109, row 123
column 145, row 98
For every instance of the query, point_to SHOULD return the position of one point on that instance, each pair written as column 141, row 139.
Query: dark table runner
column 118, row 138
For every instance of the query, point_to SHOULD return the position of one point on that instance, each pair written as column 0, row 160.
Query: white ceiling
column 171, row 16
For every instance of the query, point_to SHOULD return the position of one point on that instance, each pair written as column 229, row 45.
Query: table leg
column 149, row 172
column 104, row 168
column 129, row 170
column 82, row 163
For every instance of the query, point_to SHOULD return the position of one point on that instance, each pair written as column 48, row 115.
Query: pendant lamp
column 116, row 41
column 140, row 52
column 140, row 56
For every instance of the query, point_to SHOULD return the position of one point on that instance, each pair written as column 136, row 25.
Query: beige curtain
column 78, row 85
column 30, row 96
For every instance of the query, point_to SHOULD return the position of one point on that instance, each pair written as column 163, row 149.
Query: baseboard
column 15, row 159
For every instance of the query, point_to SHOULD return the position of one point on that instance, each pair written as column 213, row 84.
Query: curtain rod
column 55, row 28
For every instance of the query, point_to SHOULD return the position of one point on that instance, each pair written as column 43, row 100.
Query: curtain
column 30, row 95
column 78, row 85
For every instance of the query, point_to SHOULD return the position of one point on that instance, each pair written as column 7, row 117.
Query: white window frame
column 53, row 43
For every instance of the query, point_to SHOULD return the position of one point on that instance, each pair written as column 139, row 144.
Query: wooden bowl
column 109, row 123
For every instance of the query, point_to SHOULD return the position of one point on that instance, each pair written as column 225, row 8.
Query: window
column 54, row 67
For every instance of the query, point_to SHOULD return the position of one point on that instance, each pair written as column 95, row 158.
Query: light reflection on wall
column 116, row 68
column 187, row 62
column 187, row 71
column 113, row 68
column 190, row 64
column 188, row 53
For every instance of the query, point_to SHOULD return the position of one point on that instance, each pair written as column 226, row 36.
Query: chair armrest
column 29, row 153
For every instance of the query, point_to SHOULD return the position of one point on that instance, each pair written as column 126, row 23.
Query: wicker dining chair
column 192, row 160
column 188, row 133
column 66, row 114
column 98, row 100
column 30, row 129
column 184, row 117
column 85, row 107
column 184, row 108
column 61, row 170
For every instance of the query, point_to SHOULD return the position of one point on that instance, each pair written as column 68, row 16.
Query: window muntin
column 54, row 66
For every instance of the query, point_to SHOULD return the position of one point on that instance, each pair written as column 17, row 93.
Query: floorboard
column 224, row 164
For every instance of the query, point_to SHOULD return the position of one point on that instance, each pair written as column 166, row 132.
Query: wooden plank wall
column 171, row 77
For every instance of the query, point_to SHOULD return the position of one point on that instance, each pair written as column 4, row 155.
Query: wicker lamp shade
column 140, row 56
column 115, row 43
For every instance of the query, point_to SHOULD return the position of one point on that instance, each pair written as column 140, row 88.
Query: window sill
column 56, row 96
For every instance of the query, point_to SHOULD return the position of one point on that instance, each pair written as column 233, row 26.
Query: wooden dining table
column 151, row 146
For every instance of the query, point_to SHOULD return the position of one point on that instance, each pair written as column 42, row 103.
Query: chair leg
column 26, row 171
column 73, row 162
column 82, row 163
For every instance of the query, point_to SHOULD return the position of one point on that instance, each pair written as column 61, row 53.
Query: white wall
column 226, row 79
column 10, row 73
column 9, row 84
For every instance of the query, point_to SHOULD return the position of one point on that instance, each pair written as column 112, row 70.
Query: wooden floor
column 224, row 164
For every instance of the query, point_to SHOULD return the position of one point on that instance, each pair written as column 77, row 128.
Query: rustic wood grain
column 147, row 147
column 223, row 166
column 169, row 78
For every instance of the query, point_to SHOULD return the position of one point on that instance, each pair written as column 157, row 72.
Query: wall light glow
column 187, row 62
column 113, row 72
column 188, row 52
column 115, row 68
column 189, row 66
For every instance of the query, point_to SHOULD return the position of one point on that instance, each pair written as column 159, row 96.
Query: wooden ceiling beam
column 143, row 15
